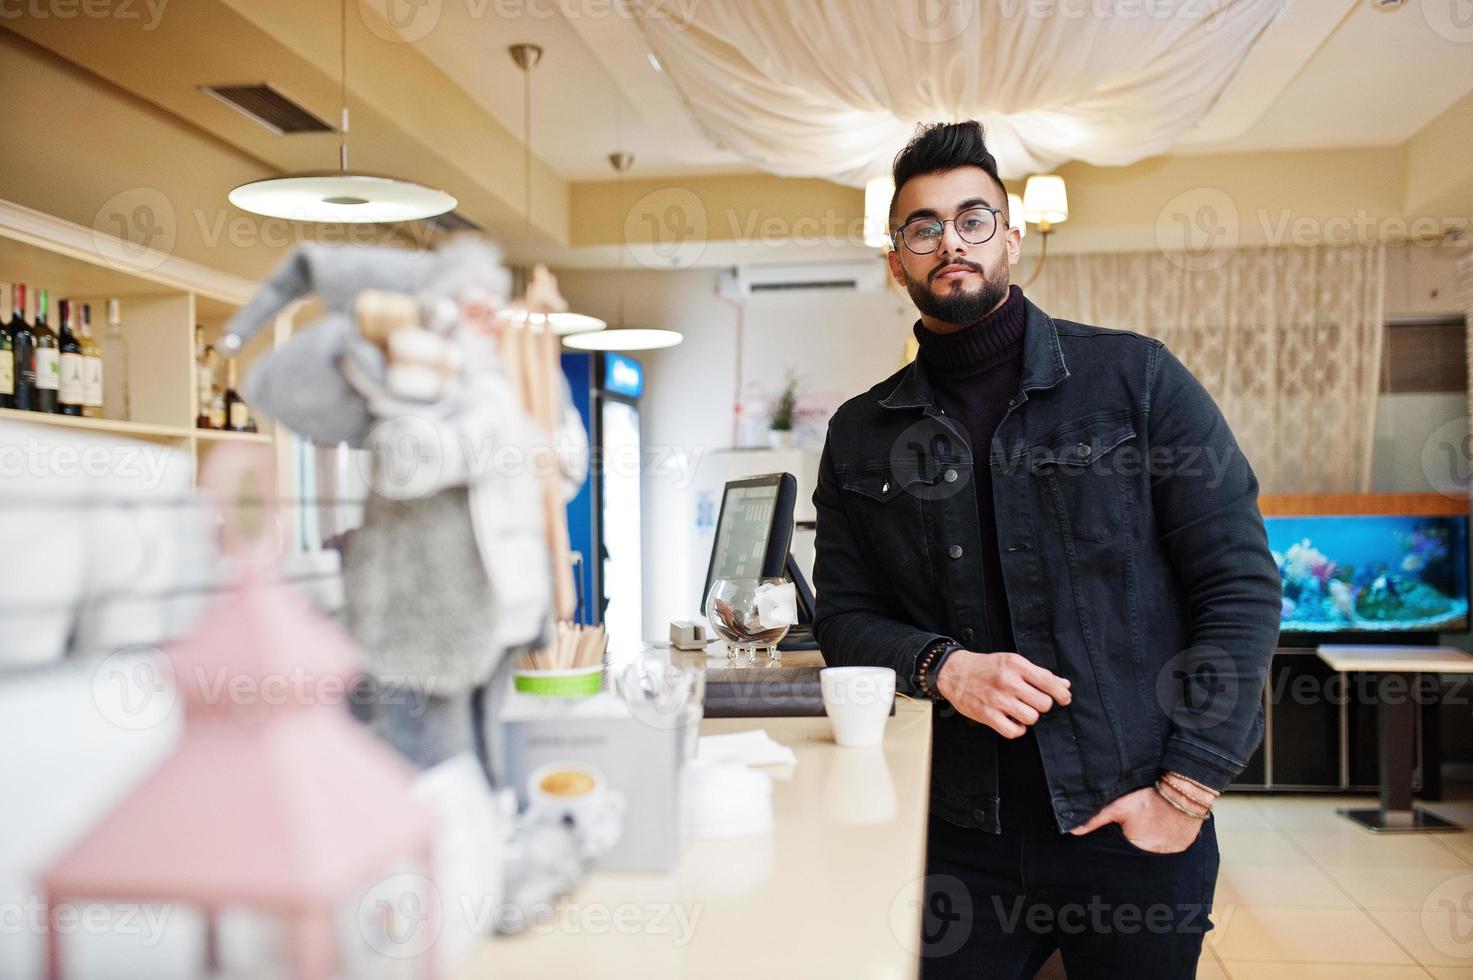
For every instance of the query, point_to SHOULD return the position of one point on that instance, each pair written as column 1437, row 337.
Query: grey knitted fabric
column 440, row 638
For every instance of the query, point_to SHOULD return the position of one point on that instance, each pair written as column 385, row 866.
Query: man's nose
column 951, row 242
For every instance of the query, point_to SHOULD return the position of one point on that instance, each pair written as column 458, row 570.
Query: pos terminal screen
column 754, row 531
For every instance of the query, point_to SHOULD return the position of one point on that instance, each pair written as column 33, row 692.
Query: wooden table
column 1396, row 725
column 834, row 890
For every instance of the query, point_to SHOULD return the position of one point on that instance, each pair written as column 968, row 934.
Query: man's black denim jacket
column 1133, row 554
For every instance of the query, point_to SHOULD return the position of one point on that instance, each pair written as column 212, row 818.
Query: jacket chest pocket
column 1087, row 474
column 889, row 509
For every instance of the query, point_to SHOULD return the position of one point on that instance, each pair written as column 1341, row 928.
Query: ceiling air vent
column 454, row 221
column 268, row 107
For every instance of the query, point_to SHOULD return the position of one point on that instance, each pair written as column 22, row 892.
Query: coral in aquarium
column 1423, row 546
column 1403, row 580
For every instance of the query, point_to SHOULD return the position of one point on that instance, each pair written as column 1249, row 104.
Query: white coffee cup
column 858, row 701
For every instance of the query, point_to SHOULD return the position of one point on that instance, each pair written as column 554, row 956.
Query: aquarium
column 1371, row 573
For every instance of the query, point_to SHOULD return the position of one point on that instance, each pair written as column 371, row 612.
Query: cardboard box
column 641, row 762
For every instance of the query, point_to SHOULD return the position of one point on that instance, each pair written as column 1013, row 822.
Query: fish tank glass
column 1371, row 573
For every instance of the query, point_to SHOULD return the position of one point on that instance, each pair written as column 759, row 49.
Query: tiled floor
column 1305, row 894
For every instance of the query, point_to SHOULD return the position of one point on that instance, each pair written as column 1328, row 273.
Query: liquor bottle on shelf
column 236, row 412
column 7, row 362
column 70, row 394
column 91, row 367
column 23, row 342
column 45, row 359
column 218, row 415
column 204, row 380
column 115, row 366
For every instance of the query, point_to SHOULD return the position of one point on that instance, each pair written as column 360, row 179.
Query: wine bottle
column 70, row 394
column 7, row 361
column 45, row 359
column 115, row 401
column 91, row 367
column 218, row 416
column 204, row 380
column 236, row 413
column 23, row 342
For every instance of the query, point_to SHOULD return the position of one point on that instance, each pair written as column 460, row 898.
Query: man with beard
column 1047, row 528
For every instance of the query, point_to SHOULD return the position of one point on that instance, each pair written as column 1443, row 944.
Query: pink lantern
column 275, row 800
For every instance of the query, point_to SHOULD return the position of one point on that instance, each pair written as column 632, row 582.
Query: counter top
column 833, row 891
column 1396, row 659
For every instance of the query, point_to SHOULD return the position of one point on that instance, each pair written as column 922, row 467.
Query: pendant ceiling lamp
column 527, row 57
column 341, row 195
column 620, row 337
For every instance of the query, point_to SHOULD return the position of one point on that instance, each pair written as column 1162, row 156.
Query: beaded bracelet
column 928, row 657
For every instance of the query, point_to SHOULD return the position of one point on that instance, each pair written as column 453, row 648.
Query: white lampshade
column 1015, row 215
column 346, row 197
column 563, row 324
column 1044, row 200
column 624, row 338
column 877, row 194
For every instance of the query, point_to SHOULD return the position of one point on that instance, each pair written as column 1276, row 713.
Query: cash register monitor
column 755, row 529
column 753, row 536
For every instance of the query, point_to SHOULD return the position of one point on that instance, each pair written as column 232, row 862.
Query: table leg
column 1431, row 740
column 1396, row 715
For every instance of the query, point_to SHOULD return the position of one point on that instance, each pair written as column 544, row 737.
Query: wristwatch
column 928, row 665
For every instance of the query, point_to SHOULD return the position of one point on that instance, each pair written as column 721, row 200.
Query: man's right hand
column 1004, row 691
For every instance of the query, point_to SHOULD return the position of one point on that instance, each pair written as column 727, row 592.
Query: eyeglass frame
column 897, row 236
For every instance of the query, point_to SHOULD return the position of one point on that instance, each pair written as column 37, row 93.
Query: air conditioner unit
column 865, row 276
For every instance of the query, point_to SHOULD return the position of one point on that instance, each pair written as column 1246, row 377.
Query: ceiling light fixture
column 877, row 194
column 620, row 337
column 1045, row 203
column 341, row 195
column 526, row 57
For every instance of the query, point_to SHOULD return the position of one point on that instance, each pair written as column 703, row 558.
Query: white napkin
column 777, row 604
column 753, row 748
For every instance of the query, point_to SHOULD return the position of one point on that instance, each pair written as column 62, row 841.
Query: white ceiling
column 595, row 91
column 1377, row 79
column 1330, row 73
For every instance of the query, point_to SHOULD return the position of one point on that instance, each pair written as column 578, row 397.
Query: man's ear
column 1015, row 245
column 892, row 258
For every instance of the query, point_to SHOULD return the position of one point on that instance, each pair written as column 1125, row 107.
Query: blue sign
column 623, row 375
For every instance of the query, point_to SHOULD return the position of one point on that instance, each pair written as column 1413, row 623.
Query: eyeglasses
column 973, row 226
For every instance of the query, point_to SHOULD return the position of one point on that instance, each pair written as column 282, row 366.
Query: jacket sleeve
column 1205, row 497
column 855, row 620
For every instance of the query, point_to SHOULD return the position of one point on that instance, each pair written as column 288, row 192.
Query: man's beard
column 957, row 306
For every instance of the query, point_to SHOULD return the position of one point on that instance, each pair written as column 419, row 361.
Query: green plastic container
column 581, row 682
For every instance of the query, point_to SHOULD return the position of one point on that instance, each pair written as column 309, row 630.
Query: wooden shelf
column 163, row 298
column 224, row 435
column 114, row 426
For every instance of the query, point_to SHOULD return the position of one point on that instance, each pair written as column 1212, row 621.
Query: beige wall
column 80, row 148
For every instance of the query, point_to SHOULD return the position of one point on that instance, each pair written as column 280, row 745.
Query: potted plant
column 780, row 422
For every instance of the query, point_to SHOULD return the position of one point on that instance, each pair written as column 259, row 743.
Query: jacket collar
column 1043, row 365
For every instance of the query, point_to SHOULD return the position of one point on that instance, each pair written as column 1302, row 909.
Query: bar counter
column 834, row 890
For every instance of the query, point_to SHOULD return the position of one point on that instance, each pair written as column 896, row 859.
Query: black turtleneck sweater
column 974, row 373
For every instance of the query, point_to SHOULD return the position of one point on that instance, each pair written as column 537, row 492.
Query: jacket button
column 950, row 476
column 1082, row 449
column 979, row 814
column 955, row 551
column 967, row 635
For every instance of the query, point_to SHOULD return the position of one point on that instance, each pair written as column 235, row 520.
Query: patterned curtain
column 1287, row 340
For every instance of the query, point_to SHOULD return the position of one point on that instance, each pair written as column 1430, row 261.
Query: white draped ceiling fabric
column 833, row 88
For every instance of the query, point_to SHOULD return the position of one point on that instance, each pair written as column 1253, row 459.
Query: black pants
column 998, row 905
